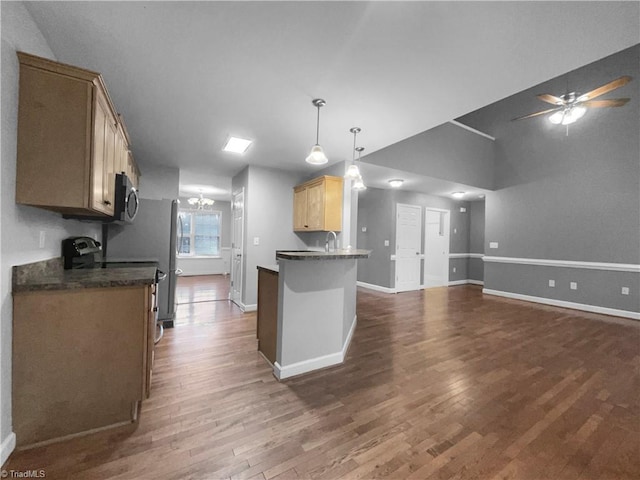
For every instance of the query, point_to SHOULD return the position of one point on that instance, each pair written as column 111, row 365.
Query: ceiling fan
column 572, row 106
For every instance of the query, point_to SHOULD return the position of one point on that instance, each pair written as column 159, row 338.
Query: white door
column 237, row 260
column 408, row 243
column 436, row 248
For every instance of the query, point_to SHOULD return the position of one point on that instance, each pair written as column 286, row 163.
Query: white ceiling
column 185, row 75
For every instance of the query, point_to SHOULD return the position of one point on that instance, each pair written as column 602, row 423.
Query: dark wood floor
column 445, row 383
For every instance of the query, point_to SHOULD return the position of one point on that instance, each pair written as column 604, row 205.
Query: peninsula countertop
column 49, row 275
column 342, row 254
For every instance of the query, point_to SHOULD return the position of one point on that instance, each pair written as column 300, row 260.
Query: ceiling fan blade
column 614, row 102
column 537, row 113
column 617, row 83
column 552, row 99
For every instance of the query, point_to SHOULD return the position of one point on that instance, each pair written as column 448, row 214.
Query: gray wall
column 269, row 216
column 447, row 152
column 376, row 212
column 21, row 225
column 157, row 181
column 567, row 197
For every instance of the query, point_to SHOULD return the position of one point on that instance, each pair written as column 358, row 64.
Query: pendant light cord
column 318, row 126
column 353, row 159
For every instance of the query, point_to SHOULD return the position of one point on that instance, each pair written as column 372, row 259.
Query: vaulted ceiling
column 185, row 75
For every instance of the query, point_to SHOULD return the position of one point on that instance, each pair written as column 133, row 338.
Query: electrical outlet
column 386, row 243
column 573, row 286
column 552, row 283
column 462, row 209
column 455, row 230
column 454, row 269
column 493, row 244
column 256, row 240
column 625, row 291
column 364, row 229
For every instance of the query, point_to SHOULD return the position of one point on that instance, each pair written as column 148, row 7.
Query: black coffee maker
column 81, row 252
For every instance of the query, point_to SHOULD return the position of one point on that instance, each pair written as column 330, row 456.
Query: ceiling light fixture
column 396, row 182
column 237, row 145
column 200, row 202
column 317, row 156
column 458, row 194
column 353, row 172
column 358, row 184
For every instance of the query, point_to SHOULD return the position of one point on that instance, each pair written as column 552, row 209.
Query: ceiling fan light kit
column 317, row 155
column 572, row 106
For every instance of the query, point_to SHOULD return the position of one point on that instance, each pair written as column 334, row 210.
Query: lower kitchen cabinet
column 267, row 314
column 82, row 359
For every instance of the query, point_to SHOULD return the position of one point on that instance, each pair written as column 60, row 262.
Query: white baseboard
column 246, row 308
column 377, row 288
column 465, row 282
column 8, row 445
column 565, row 304
column 315, row 363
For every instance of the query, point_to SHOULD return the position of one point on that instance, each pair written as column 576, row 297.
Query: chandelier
column 200, row 202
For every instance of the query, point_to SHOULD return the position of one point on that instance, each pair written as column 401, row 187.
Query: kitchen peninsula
column 309, row 325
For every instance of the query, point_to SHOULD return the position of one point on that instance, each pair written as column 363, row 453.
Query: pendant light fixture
column 317, row 156
column 359, row 183
column 353, row 172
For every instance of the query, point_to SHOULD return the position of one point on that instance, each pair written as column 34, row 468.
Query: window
column 200, row 233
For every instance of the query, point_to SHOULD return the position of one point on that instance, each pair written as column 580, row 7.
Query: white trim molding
column 465, row 282
column 8, row 445
column 564, row 304
column 466, row 255
column 471, row 129
column 317, row 363
column 377, row 288
column 246, row 308
column 614, row 267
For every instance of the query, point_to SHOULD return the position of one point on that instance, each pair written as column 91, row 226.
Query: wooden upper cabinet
column 317, row 205
column 70, row 141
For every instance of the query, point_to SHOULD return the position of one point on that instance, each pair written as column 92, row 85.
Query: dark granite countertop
column 335, row 255
column 49, row 275
column 269, row 268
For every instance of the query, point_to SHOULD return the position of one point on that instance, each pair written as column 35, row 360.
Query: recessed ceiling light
column 237, row 145
column 458, row 194
column 396, row 182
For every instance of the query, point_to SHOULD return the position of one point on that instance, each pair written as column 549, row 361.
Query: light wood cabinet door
column 317, row 205
column 300, row 209
column 103, row 180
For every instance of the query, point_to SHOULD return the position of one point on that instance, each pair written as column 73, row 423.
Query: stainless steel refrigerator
column 151, row 237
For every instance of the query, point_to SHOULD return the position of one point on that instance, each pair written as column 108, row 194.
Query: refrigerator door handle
column 180, row 238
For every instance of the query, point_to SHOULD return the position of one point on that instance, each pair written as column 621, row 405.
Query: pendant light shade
column 358, row 184
column 353, row 172
column 317, row 156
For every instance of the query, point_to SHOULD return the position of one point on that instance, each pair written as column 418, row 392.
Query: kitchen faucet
column 335, row 241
